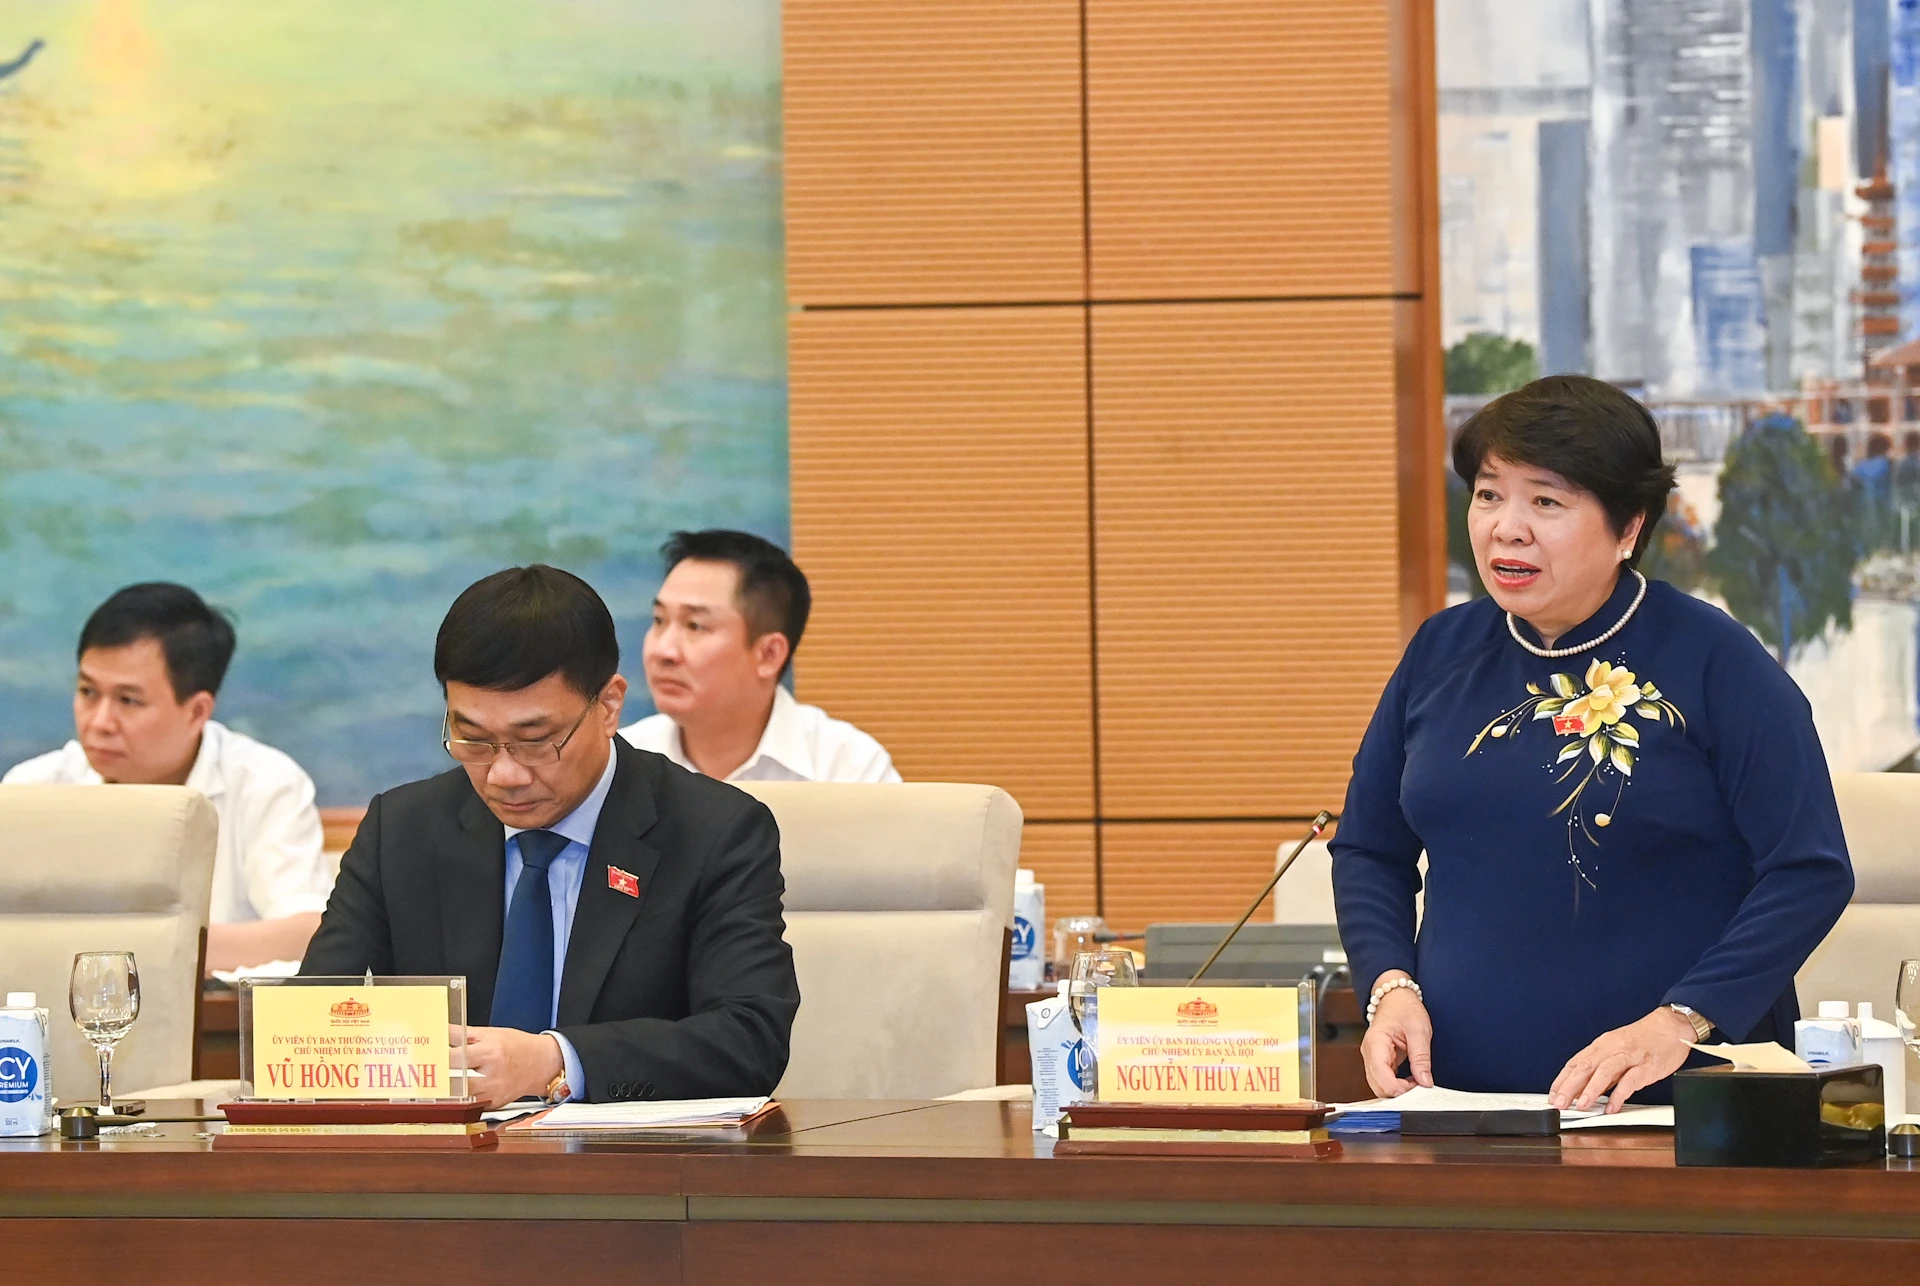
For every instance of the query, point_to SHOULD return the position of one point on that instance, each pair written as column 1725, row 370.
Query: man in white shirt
column 152, row 658
column 725, row 626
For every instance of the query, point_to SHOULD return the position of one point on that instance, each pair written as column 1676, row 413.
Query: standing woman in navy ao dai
column 1629, row 825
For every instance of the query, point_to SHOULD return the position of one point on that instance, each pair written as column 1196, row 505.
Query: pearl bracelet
column 1380, row 994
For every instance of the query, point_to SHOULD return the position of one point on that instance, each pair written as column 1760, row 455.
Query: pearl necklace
column 1554, row 652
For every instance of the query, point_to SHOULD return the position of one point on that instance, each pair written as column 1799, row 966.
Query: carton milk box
column 1061, row 1074
column 1028, row 967
column 26, row 1101
column 1830, row 1040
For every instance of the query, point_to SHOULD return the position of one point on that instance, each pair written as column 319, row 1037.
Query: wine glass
column 104, row 998
column 1906, row 1004
column 1093, row 970
column 1073, row 934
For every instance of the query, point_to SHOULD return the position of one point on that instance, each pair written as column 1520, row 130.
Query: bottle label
column 19, row 1074
column 1078, row 1068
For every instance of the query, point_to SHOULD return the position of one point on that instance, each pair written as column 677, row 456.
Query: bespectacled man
column 618, row 920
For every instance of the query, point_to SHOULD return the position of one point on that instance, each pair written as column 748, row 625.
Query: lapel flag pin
column 624, row 881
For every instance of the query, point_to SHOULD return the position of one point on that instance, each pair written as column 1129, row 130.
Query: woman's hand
column 1626, row 1059
column 1400, row 1030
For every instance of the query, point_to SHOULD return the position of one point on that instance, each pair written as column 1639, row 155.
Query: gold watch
column 557, row 1090
column 1702, row 1025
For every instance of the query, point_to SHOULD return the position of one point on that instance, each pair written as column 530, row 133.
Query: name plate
column 1199, row 1045
column 384, row 1042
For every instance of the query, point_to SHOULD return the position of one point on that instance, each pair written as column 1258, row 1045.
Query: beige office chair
column 1860, row 958
column 108, row 868
column 899, row 898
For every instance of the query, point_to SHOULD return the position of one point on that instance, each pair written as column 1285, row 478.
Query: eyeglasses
column 532, row 754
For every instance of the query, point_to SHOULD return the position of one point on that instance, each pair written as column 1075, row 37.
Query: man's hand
column 512, row 1063
column 1626, row 1059
column 1400, row 1030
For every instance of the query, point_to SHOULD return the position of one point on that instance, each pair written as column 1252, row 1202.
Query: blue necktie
column 523, row 987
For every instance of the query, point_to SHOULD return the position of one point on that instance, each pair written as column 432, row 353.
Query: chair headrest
column 103, row 849
column 1880, row 813
column 921, row 846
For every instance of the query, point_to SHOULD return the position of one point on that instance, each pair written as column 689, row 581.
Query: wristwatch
column 1702, row 1025
column 557, row 1090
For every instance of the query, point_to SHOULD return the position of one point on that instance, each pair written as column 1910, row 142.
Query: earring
column 1625, row 554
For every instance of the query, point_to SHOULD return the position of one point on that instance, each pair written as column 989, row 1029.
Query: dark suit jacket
column 687, row 991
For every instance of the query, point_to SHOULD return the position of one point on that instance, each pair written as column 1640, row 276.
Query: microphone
column 1314, row 831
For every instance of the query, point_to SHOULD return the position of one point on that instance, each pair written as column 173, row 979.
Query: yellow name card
column 1199, row 1045
column 351, row 1042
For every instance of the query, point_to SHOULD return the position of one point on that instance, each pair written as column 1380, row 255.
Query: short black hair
column 512, row 629
column 196, row 640
column 1587, row 431
column 773, row 592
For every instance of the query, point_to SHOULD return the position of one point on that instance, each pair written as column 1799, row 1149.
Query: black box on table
column 1738, row 1116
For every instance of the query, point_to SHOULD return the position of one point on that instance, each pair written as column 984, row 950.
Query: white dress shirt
column 800, row 743
column 268, row 861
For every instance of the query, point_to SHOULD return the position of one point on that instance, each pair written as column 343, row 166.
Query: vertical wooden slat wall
column 1115, row 409
column 940, row 496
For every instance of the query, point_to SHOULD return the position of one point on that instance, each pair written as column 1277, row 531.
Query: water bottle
column 26, row 1089
column 1027, row 968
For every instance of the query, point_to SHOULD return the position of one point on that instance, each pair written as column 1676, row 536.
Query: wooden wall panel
column 1188, row 871
column 1233, row 489
column 939, row 461
column 933, row 151
column 1241, row 148
column 1061, row 856
column 1414, row 120
column 1422, row 456
column 1419, row 361
column 1248, row 551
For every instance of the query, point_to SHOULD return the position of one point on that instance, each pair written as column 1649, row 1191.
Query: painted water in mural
column 1716, row 204
column 329, row 309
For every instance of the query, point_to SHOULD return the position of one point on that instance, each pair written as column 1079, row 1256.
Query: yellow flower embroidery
column 1603, row 741
column 1611, row 692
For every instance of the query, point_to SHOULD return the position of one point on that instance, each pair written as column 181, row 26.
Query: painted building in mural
column 1678, row 301
column 1659, row 192
column 1515, row 93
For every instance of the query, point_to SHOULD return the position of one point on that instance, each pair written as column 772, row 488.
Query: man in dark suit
column 618, row 919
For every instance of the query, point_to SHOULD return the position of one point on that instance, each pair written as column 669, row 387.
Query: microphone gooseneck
column 1314, row 831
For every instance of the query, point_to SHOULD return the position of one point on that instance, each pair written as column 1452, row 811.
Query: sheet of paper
column 271, row 969
column 1436, row 1098
column 1657, row 1116
column 679, row 1113
column 1764, row 1056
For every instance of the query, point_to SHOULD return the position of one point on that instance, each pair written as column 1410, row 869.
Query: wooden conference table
column 855, row 1192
